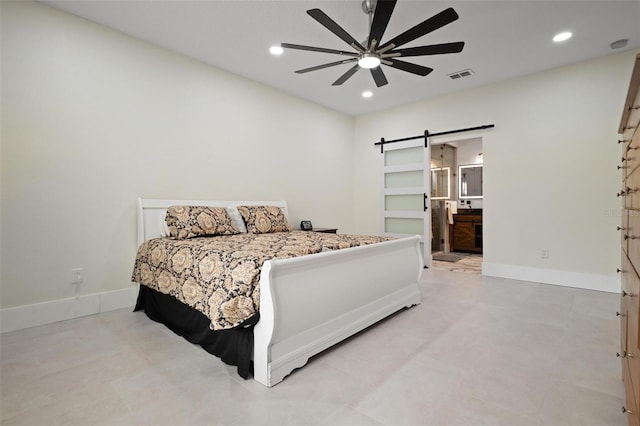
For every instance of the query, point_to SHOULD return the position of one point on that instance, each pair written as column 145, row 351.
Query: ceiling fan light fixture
column 367, row 94
column 369, row 61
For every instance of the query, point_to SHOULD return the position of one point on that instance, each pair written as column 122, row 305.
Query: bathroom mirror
column 440, row 183
column 470, row 181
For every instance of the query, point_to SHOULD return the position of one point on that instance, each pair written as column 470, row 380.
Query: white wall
column 550, row 174
column 468, row 150
column 92, row 119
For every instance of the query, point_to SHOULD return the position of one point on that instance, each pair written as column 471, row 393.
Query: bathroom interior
column 456, row 200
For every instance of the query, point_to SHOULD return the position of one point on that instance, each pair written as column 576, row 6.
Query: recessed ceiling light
column 562, row 36
column 618, row 44
column 276, row 50
column 367, row 94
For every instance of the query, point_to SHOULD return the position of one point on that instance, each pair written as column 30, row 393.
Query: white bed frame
column 300, row 315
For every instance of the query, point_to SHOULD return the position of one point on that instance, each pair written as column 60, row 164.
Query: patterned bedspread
column 219, row 276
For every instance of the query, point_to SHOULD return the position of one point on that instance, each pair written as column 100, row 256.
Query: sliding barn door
column 406, row 187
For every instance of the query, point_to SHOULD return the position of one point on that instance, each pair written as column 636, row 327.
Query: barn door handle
column 425, row 202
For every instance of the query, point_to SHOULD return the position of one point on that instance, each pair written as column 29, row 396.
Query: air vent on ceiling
column 460, row 74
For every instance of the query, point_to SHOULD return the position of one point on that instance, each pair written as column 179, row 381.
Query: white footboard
column 310, row 303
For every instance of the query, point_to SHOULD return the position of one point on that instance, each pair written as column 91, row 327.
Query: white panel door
column 405, row 190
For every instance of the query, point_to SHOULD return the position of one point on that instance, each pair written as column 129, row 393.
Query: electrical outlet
column 77, row 276
column 544, row 253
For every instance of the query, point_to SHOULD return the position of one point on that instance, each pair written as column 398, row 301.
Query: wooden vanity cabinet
column 467, row 233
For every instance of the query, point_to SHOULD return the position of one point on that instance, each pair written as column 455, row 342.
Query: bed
column 307, row 302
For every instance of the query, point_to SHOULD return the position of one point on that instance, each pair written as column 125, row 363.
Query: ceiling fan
column 372, row 53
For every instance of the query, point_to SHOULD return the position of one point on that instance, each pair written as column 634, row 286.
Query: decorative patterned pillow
column 197, row 221
column 264, row 219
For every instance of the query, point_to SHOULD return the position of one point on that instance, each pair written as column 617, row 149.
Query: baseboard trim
column 27, row 316
column 608, row 283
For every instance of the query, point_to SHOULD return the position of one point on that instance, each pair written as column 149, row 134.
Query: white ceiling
column 504, row 39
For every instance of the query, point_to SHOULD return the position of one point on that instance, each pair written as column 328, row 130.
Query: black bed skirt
column 233, row 346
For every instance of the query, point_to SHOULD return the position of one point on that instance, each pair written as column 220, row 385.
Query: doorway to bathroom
column 456, row 204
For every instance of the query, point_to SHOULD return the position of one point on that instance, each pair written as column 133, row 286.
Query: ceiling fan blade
column 434, row 49
column 331, row 64
column 347, row 75
column 317, row 49
column 409, row 67
column 331, row 25
column 384, row 9
column 443, row 18
column 378, row 76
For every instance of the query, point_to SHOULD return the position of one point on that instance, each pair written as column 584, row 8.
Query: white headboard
column 152, row 212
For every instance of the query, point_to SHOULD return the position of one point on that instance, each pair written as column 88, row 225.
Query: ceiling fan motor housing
column 368, row 6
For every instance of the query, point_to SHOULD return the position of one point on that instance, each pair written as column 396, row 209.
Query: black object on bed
column 233, row 346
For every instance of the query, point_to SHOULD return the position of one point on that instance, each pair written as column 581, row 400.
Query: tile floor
column 477, row 351
column 470, row 263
